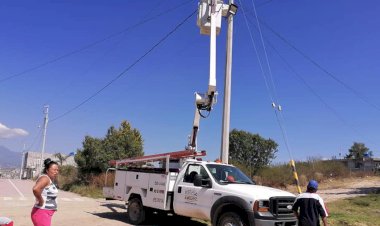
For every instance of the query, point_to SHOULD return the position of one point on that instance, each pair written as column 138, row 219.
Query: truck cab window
column 225, row 174
column 192, row 171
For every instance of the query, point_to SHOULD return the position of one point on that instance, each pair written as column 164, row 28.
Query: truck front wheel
column 136, row 213
column 230, row 219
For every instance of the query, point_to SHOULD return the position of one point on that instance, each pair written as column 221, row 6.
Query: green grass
column 358, row 211
column 88, row 191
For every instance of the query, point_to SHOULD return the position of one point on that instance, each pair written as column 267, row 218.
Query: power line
column 84, row 73
column 315, row 93
column 264, row 3
column 102, row 56
column 126, row 69
column 356, row 93
column 256, row 51
column 265, row 52
column 38, row 135
column 92, row 44
column 337, row 115
column 271, row 90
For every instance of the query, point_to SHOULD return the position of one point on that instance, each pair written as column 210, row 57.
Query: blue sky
column 156, row 95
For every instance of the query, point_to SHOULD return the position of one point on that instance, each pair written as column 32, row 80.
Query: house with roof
column 32, row 164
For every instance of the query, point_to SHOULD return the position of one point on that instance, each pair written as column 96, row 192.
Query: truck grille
column 281, row 207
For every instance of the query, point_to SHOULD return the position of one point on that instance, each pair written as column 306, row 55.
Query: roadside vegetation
column 363, row 211
column 250, row 152
column 281, row 176
column 69, row 180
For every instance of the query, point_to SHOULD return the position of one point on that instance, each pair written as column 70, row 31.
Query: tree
column 61, row 158
column 357, row 151
column 119, row 143
column 251, row 150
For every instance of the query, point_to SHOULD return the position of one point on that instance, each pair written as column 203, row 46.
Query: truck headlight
column 261, row 206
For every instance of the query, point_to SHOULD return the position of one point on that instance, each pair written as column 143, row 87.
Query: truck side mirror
column 200, row 182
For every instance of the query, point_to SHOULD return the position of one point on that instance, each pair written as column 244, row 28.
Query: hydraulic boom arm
column 210, row 14
column 205, row 102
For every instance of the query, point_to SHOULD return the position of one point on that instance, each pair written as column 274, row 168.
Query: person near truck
column 45, row 192
column 309, row 206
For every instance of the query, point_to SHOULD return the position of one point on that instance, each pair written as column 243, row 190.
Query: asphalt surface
column 16, row 201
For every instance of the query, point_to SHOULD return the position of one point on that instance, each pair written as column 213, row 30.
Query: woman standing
column 45, row 192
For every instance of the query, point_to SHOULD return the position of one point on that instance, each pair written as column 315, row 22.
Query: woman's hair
column 47, row 163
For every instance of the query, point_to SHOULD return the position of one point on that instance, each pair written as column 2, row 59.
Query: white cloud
column 6, row 132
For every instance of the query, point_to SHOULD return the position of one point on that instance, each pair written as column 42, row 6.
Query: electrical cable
column 38, row 135
column 202, row 115
column 279, row 115
column 337, row 115
column 117, row 43
column 256, row 51
column 92, row 44
column 332, row 76
column 154, row 7
column 271, row 92
column 265, row 52
column 259, row 5
column 264, row 3
column 87, row 70
column 126, row 69
column 277, row 109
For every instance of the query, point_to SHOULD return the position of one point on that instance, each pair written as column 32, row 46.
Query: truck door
column 190, row 200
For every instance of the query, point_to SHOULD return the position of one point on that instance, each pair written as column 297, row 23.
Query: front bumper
column 289, row 222
column 260, row 220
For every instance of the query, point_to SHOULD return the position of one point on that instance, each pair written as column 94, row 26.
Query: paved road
column 16, row 201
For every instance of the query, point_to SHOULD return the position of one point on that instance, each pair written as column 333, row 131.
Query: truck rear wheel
column 230, row 219
column 136, row 212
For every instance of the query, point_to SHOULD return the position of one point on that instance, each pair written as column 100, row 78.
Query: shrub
column 318, row 176
column 90, row 186
column 281, row 174
column 68, row 176
column 99, row 180
column 302, row 180
column 276, row 176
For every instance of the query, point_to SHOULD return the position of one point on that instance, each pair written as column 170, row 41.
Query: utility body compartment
column 154, row 187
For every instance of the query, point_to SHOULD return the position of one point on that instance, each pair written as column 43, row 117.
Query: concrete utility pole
column 227, row 91
column 22, row 162
column 46, row 119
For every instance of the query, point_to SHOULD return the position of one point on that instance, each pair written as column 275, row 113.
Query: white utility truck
column 183, row 185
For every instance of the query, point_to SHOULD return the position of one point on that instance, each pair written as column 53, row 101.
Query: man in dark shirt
column 310, row 206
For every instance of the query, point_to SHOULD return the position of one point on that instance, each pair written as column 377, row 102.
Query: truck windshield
column 228, row 174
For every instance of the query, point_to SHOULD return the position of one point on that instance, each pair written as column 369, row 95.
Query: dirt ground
column 77, row 210
column 339, row 189
column 333, row 189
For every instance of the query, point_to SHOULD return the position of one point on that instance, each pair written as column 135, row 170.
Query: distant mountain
column 9, row 159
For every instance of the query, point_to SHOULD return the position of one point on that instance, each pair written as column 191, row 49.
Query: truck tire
column 230, row 219
column 136, row 212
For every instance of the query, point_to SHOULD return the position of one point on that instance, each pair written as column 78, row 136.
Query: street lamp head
column 232, row 9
